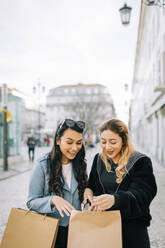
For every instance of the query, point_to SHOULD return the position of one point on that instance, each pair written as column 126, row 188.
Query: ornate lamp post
column 126, row 86
column 160, row 3
column 39, row 88
column 125, row 13
column 150, row 2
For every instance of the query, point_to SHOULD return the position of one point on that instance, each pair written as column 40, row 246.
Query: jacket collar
column 132, row 160
column 73, row 186
column 74, row 183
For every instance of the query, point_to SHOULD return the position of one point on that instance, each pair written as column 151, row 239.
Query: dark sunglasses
column 72, row 123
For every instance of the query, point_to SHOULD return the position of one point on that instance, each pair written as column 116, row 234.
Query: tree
column 90, row 109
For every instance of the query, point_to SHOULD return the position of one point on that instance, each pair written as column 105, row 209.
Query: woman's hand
column 103, row 202
column 88, row 195
column 62, row 205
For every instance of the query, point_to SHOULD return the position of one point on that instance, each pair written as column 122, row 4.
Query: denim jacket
column 39, row 199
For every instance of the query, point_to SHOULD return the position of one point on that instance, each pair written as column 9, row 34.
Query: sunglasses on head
column 72, row 123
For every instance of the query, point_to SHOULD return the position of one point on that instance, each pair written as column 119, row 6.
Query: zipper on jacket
column 122, row 179
column 120, row 184
column 100, row 181
column 103, row 186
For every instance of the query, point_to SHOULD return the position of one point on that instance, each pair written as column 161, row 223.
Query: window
column 96, row 91
column 73, row 90
column 65, row 90
column 164, row 65
column 88, row 91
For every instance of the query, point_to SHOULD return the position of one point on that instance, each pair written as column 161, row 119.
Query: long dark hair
column 79, row 165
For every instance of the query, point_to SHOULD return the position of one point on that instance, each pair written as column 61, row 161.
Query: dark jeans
column 31, row 150
column 62, row 237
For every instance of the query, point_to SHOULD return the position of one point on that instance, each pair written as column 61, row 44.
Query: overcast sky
column 67, row 41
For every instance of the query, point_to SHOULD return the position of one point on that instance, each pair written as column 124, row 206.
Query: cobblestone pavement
column 156, row 230
column 14, row 184
column 14, row 194
column 23, row 164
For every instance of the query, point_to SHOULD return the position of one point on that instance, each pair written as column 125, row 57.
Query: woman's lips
column 110, row 152
column 72, row 153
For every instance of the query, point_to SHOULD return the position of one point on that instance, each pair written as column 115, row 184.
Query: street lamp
column 160, row 3
column 160, row 89
column 39, row 88
column 125, row 13
column 150, row 2
column 126, row 86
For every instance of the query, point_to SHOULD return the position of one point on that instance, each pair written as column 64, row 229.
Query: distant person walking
column 31, row 142
column 48, row 141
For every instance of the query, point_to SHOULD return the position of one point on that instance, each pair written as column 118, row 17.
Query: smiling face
column 111, row 143
column 70, row 144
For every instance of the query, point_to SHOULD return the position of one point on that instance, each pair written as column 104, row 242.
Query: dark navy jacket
column 136, row 191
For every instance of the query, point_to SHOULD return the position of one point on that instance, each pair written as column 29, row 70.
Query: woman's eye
column 79, row 143
column 69, row 143
column 103, row 143
column 113, row 143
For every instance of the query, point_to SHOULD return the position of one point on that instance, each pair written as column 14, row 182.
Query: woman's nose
column 74, row 147
column 108, row 146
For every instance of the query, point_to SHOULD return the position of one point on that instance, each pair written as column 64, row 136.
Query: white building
column 89, row 102
column 147, row 116
column 34, row 120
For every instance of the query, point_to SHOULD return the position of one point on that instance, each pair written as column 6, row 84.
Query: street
column 14, row 194
column 14, row 188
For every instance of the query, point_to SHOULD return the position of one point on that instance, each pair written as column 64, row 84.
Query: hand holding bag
column 26, row 229
column 95, row 230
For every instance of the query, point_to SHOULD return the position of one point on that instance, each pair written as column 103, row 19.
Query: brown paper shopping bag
column 26, row 229
column 95, row 230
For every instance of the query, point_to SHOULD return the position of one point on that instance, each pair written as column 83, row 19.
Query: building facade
column 88, row 102
column 147, row 112
column 34, row 121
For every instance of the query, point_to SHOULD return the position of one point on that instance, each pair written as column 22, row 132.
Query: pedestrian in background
column 59, row 178
column 48, row 141
column 31, row 142
column 122, row 179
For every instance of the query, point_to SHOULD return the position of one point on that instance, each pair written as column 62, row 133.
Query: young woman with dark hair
column 122, row 179
column 59, row 178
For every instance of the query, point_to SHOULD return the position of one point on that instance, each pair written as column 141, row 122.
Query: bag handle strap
column 28, row 211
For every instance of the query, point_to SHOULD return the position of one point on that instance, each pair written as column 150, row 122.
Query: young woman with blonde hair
column 122, row 179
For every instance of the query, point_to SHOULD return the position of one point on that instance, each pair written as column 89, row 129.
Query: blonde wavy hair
column 127, row 149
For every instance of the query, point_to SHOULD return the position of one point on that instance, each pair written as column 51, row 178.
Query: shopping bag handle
column 34, row 212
